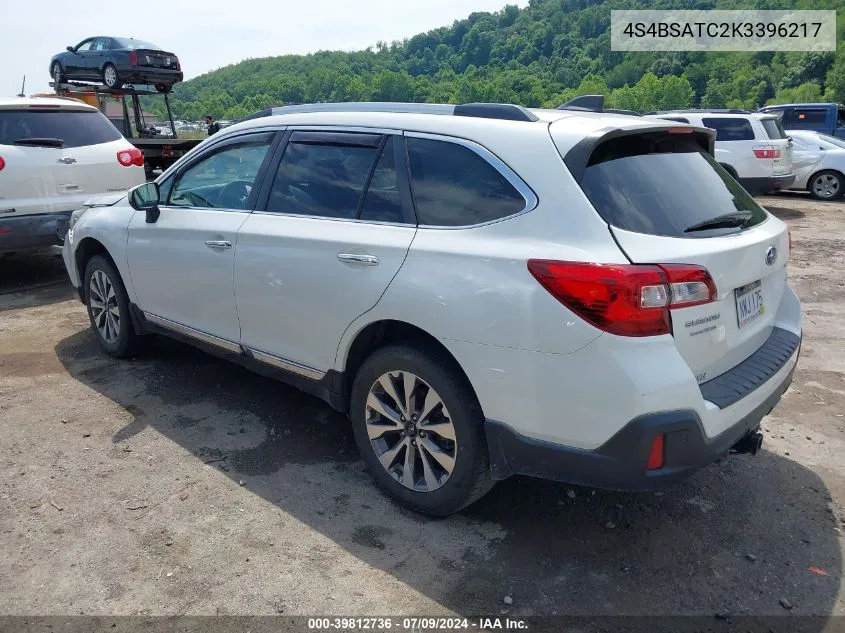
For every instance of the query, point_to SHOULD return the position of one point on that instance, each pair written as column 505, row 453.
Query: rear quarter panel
column 472, row 284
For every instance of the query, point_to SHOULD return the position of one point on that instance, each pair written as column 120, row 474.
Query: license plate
column 749, row 303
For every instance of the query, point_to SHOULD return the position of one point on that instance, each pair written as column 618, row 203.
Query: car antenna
column 23, row 86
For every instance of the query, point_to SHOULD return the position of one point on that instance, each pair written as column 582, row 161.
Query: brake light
column 765, row 151
column 2, row 163
column 655, row 457
column 133, row 58
column 680, row 130
column 625, row 299
column 130, row 157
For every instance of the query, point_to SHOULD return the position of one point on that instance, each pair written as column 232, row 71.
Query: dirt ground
column 176, row 483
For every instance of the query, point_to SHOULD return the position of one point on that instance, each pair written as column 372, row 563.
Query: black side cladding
column 733, row 385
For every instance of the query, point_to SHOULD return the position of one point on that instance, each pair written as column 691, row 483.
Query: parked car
column 753, row 148
column 825, row 118
column 116, row 61
column 819, row 163
column 484, row 289
column 54, row 155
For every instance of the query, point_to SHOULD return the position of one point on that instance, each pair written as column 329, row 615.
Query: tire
column 436, row 491
column 110, row 77
column 101, row 278
column 826, row 185
column 57, row 74
column 730, row 170
column 163, row 88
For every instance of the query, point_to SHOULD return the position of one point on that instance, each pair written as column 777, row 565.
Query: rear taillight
column 130, row 157
column 656, row 456
column 766, row 151
column 133, row 58
column 625, row 299
column 2, row 163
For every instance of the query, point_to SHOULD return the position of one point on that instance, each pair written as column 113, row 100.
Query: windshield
column 661, row 184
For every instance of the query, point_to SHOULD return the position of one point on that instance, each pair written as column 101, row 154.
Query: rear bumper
column 28, row 232
column 139, row 74
column 767, row 184
column 621, row 462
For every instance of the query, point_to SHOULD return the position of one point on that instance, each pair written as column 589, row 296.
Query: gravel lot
column 176, row 483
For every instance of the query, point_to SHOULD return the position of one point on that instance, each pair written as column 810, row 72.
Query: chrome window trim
column 287, row 365
column 360, row 129
column 325, row 218
column 194, row 333
column 531, row 200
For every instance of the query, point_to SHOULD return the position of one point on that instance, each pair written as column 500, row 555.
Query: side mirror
column 70, row 49
column 146, row 198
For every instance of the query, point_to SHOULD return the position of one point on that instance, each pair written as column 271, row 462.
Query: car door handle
column 218, row 244
column 355, row 258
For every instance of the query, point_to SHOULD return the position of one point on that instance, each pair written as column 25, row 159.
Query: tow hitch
column 750, row 443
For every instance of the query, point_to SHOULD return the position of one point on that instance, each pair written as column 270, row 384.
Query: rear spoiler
column 578, row 157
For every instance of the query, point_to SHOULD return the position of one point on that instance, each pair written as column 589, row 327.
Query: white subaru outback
column 484, row 289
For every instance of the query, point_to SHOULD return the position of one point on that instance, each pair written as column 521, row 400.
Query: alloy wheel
column 110, row 76
column 411, row 431
column 826, row 186
column 104, row 309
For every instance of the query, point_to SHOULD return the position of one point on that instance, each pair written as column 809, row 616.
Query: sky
column 209, row 34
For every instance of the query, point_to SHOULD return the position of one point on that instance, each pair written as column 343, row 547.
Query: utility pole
column 23, row 85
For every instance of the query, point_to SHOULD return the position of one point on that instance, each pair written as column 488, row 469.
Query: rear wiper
column 40, row 142
column 737, row 218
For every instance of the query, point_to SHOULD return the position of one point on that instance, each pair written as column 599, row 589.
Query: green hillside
column 540, row 55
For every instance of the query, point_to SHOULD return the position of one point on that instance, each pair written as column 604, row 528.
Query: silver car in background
column 818, row 161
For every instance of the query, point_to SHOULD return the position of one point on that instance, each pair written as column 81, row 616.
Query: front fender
column 110, row 227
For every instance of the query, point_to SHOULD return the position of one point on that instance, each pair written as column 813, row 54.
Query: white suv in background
column 484, row 289
column 752, row 147
column 54, row 155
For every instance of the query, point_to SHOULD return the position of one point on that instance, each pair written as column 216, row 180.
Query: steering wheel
column 234, row 195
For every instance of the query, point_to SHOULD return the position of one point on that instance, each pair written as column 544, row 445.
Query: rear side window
column 332, row 179
column 774, row 129
column 74, row 128
column 664, row 184
column 455, row 186
column 730, row 129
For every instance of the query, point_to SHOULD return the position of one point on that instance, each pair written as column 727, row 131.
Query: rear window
column 730, row 129
column 138, row 44
column 662, row 184
column 809, row 117
column 74, row 128
column 774, row 129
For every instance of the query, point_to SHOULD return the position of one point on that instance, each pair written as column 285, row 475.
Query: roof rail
column 698, row 110
column 502, row 111
column 584, row 103
column 621, row 111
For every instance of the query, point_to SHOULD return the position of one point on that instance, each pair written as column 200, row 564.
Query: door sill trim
column 282, row 363
column 194, row 333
